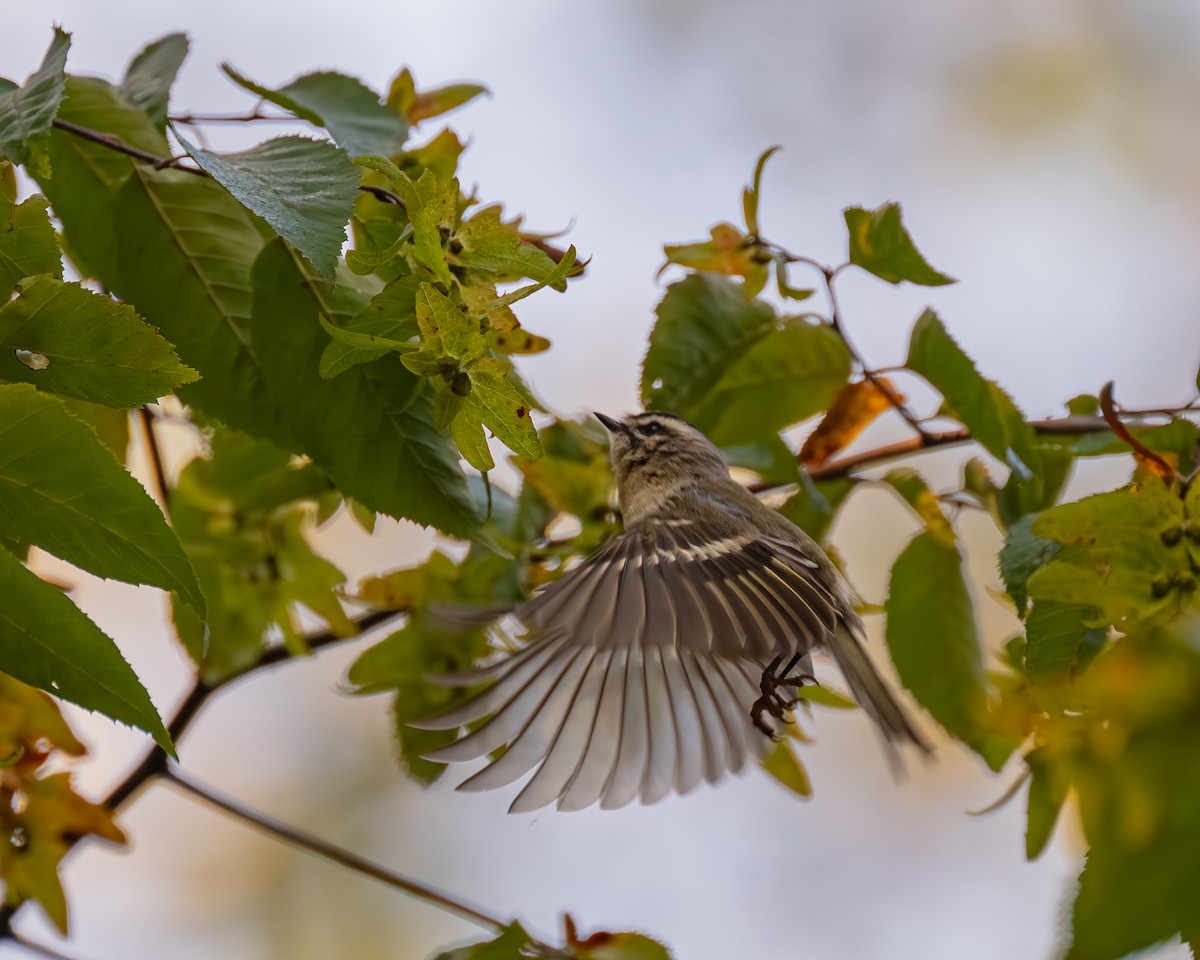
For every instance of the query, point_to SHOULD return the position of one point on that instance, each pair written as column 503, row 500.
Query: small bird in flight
column 648, row 668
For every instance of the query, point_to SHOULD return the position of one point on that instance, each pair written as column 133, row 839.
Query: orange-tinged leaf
column 729, row 251
column 439, row 100
column 517, row 341
column 52, row 817
column 603, row 945
column 31, row 726
column 852, row 410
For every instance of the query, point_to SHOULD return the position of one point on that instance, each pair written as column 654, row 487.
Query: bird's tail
column 871, row 690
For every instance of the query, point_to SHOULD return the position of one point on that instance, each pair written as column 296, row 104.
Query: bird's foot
column 772, row 702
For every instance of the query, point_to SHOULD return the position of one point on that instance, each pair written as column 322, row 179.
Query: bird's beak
column 613, row 426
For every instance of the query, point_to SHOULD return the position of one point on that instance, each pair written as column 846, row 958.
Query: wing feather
column 570, row 743
column 592, row 774
column 530, row 745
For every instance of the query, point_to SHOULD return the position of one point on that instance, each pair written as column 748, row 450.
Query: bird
column 647, row 668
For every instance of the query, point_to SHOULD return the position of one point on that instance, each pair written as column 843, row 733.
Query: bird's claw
column 771, row 702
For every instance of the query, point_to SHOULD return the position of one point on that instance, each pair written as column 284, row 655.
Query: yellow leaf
column 852, row 410
column 783, row 764
column 518, row 341
column 52, row 817
column 729, row 251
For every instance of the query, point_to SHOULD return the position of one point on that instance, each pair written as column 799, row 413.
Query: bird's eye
column 650, row 429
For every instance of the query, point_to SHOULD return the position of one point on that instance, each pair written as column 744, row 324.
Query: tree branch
column 154, row 454
column 329, row 851
column 114, row 142
column 1059, row 426
column 154, row 761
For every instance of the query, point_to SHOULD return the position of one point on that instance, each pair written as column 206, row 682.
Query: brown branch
column 835, row 321
column 829, row 274
column 120, row 146
column 380, row 194
column 1059, row 426
column 154, row 762
column 191, row 119
column 160, row 163
column 154, row 455
column 1140, row 450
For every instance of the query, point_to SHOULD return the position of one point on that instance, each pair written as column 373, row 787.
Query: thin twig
column 120, row 146
column 335, row 854
column 154, row 455
column 380, row 194
column 835, row 321
column 193, row 118
column 1140, row 450
column 154, row 762
column 1059, row 426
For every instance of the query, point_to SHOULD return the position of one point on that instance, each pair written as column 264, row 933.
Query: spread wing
column 641, row 667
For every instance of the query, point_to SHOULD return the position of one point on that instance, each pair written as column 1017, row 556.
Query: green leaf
column 438, row 100
column 783, row 378
column 95, row 349
column 62, row 490
column 1048, row 784
column 509, row 945
column 444, row 328
column 147, row 83
column 1059, row 640
column 783, row 764
column 111, row 426
column 492, row 246
column 772, row 459
column 1022, row 495
column 466, row 428
column 497, row 404
column 1141, row 812
column 432, row 208
column 87, row 174
column 47, row 642
column 401, row 663
column 752, row 194
column 305, row 189
column 186, row 248
column 28, row 245
column 1021, row 555
column 704, row 324
column 1127, row 556
column 555, row 278
column 351, row 111
column 814, row 505
column 368, row 427
column 387, row 323
column 242, row 515
column 932, row 637
column 27, row 112
column 916, row 493
column 986, row 410
column 880, row 245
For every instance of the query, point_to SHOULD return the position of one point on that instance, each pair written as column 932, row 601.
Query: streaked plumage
column 641, row 665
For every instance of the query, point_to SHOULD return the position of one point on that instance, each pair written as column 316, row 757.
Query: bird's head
column 655, row 453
